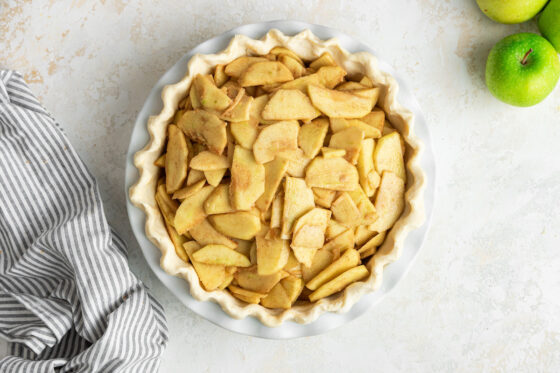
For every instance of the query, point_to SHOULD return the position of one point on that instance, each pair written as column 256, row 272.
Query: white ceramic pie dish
column 207, row 309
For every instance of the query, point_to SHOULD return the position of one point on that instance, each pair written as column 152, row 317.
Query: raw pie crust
column 308, row 47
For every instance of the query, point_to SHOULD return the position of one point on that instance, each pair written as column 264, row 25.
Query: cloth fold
column 68, row 301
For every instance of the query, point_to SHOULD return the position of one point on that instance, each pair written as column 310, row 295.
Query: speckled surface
column 483, row 293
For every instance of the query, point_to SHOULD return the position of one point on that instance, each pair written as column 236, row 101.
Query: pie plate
column 212, row 311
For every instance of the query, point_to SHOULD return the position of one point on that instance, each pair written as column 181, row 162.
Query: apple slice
column 240, row 109
column 331, row 76
column 248, row 299
column 274, row 139
column 373, row 179
column 323, row 197
column 277, row 211
column 167, row 206
column 210, row 96
column 304, row 254
column 312, row 135
column 183, row 193
column 368, row 213
column 293, row 266
column 279, row 51
column 309, row 234
column 220, row 77
column 297, row 162
column 350, row 86
column 340, row 282
column 247, row 179
column 218, row 202
column 257, row 107
column 367, row 253
column 333, row 173
column 220, row 255
column 339, row 124
column 245, row 133
column 376, row 240
column 240, row 224
column 266, row 72
column 193, row 97
column 194, row 177
column 228, row 279
column 208, row 161
column 388, row 155
column 214, row 177
column 349, row 139
column 350, row 259
column 316, row 217
column 345, row 211
column 210, row 276
column 298, row 199
column 296, row 68
column 248, row 278
column 342, row 242
column 205, row 234
column 329, row 152
column 191, row 211
column 370, row 132
column 175, row 159
column 334, row 229
column 232, row 89
column 365, row 166
column 337, row 104
column 362, row 234
column 325, row 59
column 389, row 201
column 245, row 295
column 321, row 260
column 301, row 83
column 178, row 241
column 240, row 64
column 368, row 93
column 272, row 252
column 375, row 119
column 284, row 294
column 274, row 173
column 206, row 128
column 370, row 246
column 289, row 104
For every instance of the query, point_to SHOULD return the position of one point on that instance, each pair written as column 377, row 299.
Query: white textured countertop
column 484, row 293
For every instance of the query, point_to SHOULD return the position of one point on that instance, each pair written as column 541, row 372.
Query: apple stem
column 524, row 60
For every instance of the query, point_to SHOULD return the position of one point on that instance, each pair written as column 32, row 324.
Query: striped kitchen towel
column 68, row 301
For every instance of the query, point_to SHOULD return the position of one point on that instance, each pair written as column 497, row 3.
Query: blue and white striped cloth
column 68, row 301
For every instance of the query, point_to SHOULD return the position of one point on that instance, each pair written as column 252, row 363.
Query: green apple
column 522, row 69
column 511, row 11
column 549, row 23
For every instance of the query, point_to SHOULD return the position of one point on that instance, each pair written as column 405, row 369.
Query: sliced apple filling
column 280, row 178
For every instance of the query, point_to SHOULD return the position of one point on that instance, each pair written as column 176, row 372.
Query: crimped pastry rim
column 308, row 46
